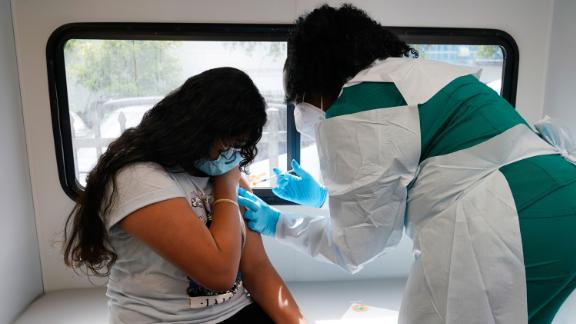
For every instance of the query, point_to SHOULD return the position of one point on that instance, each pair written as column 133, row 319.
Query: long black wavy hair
column 221, row 104
column 329, row 46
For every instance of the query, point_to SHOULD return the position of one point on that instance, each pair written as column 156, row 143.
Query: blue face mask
column 224, row 163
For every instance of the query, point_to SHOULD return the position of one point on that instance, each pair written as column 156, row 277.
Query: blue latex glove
column 260, row 217
column 302, row 188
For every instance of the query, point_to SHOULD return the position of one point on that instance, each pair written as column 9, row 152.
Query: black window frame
column 58, row 90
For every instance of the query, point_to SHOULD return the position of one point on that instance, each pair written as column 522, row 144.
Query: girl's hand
column 225, row 185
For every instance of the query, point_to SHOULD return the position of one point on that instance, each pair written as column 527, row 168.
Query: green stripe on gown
column 464, row 113
column 366, row 96
column 544, row 190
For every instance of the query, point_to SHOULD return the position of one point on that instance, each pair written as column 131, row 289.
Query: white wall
column 561, row 83
column 560, row 98
column 528, row 21
column 19, row 257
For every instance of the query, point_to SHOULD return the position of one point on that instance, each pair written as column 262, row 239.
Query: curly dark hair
column 221, row 104
column 330, row 45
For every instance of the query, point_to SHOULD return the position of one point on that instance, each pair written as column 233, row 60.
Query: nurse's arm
column 367, row 161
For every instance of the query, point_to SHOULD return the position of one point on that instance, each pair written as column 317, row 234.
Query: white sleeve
column 137, row 186
column 367, row 161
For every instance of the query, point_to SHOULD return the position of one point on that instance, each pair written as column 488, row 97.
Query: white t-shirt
column 144, row 287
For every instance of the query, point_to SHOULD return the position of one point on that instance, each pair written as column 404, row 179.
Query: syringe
column 291, row 171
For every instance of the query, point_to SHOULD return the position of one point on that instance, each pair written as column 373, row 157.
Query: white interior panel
column 20, row 260
column 560, row 89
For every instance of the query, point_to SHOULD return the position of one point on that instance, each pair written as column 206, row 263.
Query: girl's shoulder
column 148, row 178
column 144, row 173
column 142, row 167
column 138, row 185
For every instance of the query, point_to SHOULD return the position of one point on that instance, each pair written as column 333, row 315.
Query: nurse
column 407, row 143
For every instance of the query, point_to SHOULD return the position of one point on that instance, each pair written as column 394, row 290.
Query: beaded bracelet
column 224, row 200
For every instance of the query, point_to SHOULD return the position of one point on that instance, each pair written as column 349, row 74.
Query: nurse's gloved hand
column 302, row 188
column 260, row 217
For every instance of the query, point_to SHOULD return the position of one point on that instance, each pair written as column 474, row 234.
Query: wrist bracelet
column 224, row 200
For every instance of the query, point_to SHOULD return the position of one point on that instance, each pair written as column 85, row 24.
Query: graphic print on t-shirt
column 201, row 203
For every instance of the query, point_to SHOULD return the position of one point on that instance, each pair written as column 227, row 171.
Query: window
column 103, row 77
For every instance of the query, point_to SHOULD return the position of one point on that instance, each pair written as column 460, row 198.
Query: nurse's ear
column 322, row 102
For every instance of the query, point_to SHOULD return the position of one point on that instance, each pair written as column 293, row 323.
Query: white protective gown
column 458, row 208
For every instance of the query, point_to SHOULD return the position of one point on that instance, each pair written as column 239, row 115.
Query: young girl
column 159, row 213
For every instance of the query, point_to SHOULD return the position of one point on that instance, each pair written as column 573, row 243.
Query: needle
column 272, row 177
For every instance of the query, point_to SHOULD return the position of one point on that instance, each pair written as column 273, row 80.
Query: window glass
column 488, row 57
column 112, row 83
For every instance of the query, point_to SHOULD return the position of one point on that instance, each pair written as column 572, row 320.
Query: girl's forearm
column 271, row 293
column 226, row 229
